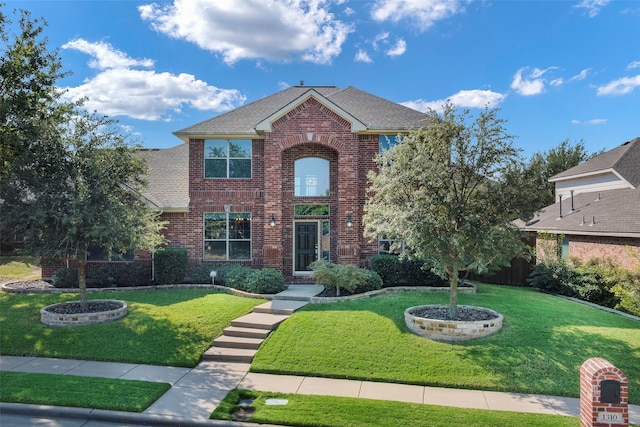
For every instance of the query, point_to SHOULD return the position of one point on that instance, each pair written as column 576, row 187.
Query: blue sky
column 557, row 69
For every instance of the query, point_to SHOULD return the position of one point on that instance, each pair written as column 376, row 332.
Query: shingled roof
column 375, row 113
column 609, row 213
column 168, row 177
column 612, row 213
column 625, row 160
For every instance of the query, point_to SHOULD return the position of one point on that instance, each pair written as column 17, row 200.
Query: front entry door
column 306, row 245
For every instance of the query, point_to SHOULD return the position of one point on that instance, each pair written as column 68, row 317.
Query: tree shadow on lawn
column 162, row 327
column 541, row 347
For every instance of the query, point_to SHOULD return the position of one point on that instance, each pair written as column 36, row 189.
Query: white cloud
column 634, row 64
column 531, row 83
column 422, row 13
column 593, row 6
column 120, row 90
column 398, row 49
column 557, row 82
column 463, row 99
column 363, row 56
column 620, row 86
column 105, row 56
column 277, row 30
column 581, row 75
column 589, row 122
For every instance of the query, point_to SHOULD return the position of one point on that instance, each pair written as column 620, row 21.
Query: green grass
column 82, row 392
column 19, row 267
column 326, row 411
column 543, row 343
column 163, row 327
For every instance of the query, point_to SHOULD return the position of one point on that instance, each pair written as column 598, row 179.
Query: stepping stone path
column 241, row 340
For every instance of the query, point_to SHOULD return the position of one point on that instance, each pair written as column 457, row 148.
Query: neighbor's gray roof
column 624, row 159
column 376, row 113
column 615, row 213
column 168, row 177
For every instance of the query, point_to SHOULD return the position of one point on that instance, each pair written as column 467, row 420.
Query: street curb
column 113, row 416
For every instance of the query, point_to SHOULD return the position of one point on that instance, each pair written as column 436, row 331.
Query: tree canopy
column 69, row 178
column 441, row 190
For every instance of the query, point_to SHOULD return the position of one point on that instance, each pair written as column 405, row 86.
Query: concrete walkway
column 196, row 392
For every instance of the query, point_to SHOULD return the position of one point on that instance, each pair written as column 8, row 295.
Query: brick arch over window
column 302, row 138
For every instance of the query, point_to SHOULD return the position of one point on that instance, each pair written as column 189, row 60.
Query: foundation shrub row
column 394, row 270
column 597, row 281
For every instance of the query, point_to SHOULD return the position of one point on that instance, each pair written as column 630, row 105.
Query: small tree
column 441, row 190
column 91, row 198
column 69, row 179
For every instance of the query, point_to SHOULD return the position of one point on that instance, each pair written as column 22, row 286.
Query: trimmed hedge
column 419, row 274
column 170, row 265
column 388, row 268
column 104, row 275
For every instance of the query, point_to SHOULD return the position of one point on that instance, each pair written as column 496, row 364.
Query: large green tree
column 535, row 173
column 70, row 179
column 441, row 190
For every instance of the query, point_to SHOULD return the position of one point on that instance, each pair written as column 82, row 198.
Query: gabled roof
column 168, row 177
column 623, row 161
column 373, row 114
column 608, row 213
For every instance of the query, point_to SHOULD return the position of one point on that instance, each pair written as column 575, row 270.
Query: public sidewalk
column 196, row 392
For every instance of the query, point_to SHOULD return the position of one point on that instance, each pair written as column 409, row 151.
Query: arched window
column 311, row 177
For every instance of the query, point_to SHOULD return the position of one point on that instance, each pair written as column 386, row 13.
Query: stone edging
column 599, row 307
column 384, row 291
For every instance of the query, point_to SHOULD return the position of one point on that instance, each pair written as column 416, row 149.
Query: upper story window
column 387, row 141
column 227, row 158
column 311, row 177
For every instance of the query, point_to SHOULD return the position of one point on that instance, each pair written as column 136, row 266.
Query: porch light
column 272, row 223
column 349, row 221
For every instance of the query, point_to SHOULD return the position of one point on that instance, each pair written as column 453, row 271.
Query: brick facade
column 309, row 130
column 619, row 249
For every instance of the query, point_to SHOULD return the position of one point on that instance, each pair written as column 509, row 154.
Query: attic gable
column 266, row 124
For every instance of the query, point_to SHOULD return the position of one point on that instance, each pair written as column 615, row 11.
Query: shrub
column 388, row 268
column 170, row 265
column 121, row 274
column 201, row 274
column 372, row 282
column 419, row 274
column 597, row 277
column 66, row 277
column 265, row 281
column 236, row 276
column 344, row 276
column 554, row 276
column 627, row 290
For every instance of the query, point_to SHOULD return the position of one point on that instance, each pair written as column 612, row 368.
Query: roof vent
column 582, row 223
column 593, row 221
column 598, row 198
column 301, row 82
column 572, row 209
column 560, row 217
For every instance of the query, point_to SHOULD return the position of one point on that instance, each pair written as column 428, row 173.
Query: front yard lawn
column 81, row 392
column 163, row 327
column 543, row 343
column 327, row 411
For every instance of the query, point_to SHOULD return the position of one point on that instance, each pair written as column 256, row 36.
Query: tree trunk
column 82, row 283
column 453, row 292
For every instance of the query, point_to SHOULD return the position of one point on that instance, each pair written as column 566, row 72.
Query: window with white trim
column 227, row 158
column 227, row 236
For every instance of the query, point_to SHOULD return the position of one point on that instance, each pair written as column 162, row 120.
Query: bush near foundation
column 170, row 265
column 345, row 277
column 598, row 281
column 388, row 268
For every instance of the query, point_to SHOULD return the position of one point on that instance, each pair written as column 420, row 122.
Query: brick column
column 604, row 394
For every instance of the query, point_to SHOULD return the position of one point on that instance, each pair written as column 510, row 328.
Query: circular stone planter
column 453, row 330
column 100, row 311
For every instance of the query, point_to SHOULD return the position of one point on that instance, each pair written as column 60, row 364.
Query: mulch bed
column 464, row 314
column 92, row 307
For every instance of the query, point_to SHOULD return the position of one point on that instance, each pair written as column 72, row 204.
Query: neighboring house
column 597, row 209
column 279, row 182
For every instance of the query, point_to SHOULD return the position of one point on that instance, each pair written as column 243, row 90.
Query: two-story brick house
column 279, row 182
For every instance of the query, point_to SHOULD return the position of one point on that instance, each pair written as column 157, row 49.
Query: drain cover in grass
column 273, row 402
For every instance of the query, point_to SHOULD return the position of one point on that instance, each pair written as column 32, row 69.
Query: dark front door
column 306, row 244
